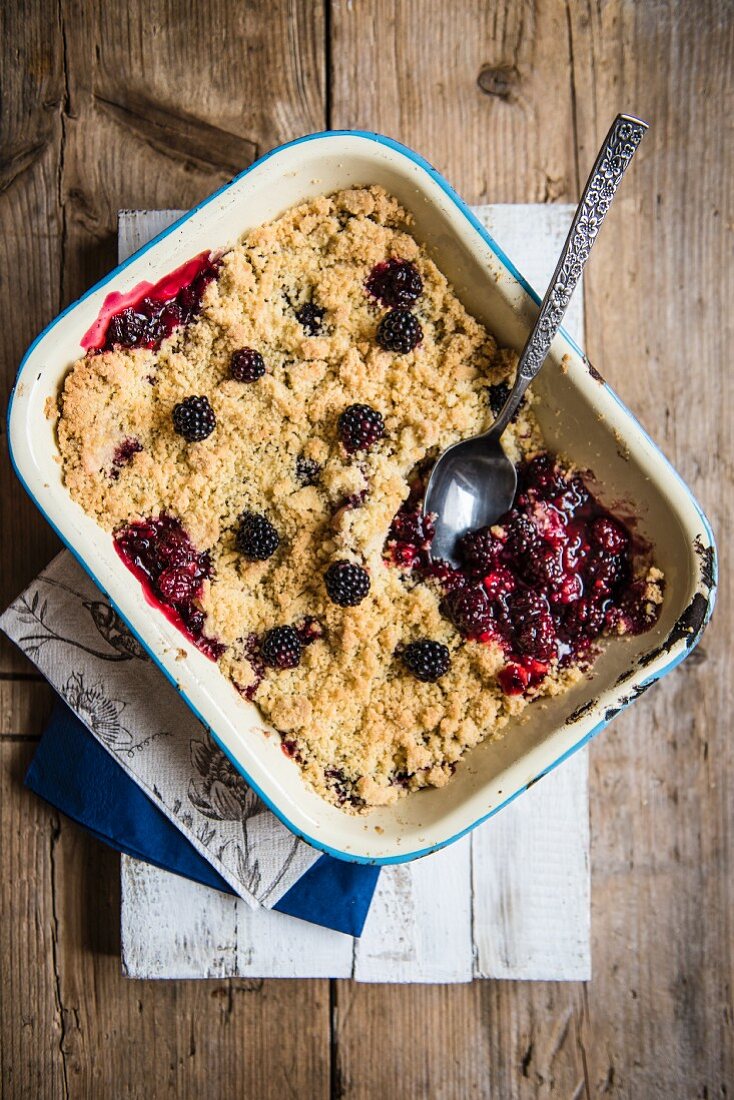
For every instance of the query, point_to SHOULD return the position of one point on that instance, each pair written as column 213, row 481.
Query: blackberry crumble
column 378, row 667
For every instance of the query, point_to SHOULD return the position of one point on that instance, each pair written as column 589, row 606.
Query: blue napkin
column 73, row 772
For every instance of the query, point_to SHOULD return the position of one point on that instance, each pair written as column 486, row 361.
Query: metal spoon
column 473, row 482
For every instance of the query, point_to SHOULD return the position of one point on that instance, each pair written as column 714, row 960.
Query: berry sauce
column 171, row 571
column 545, row 582
column 149, row 313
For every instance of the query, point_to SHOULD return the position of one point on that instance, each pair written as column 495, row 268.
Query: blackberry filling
column 172, row 573
column 150, row 318
column 545, row 582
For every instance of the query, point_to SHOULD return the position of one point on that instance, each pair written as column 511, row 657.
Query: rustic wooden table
column 153, row 105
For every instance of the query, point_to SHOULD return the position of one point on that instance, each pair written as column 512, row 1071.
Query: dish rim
column 691, row 639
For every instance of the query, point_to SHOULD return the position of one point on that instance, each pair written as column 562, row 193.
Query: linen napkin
column 75, row 774
column 158, row 747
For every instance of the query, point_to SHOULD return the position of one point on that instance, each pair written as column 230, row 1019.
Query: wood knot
column 499, row 80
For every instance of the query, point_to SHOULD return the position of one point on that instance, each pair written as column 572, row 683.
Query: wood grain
column 482, row 90
column 171, row 1039
column 657, row 1018
column 105, row 107
column 30, row 150
column 31, row 1028
column 25, row 705
column 659, row 330
column 72, row 1026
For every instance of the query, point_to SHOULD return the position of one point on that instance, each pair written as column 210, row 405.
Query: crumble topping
column 261, row 466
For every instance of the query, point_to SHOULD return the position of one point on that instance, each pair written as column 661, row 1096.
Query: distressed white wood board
column 512, row 900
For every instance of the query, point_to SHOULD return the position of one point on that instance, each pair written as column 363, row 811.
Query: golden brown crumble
column 356, row 717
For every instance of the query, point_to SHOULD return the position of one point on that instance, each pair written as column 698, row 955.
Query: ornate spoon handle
column 612, row 162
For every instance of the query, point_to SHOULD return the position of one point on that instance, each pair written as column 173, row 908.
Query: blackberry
column 410, row 536
column 127, row 329
column 537, row 638
column 399, row 331
column 527, row 605
column 535, row 633
column 544, row 567
column 522, row 537
column 428, row 661
column 480, row 550
column 500, row 582
column 605, row 572
column 470, row 611
column 498, row 394
column 307, row 471
column 310, row 317
column 584, row 619
column 194, row 419
column 246, row 365
column 177, row 584
column 281, row 648
column 609, row 535
column 360, row 426
column 256, row 538
column 395, row 283
column 166, row 319
column 346, row 583
column 570, row 589
column 544, row 476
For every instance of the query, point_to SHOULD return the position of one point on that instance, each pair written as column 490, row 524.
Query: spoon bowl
column 473, row 482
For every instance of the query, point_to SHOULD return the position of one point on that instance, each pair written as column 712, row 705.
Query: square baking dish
column 581, row 418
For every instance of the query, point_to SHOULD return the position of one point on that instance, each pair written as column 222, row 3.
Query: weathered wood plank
column 24, row 707
column 104, row 108
column 659, row 327
column 31, row 1015
column 530, row 882
column 168, row 124
column 420, row 923
column 72, row 1025
column 177, row 1039
column 482, row 90
column 31, row 231
column 174, row 928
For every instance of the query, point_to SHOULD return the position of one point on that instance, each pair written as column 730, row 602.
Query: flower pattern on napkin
column 101, row 714
column 221, row 793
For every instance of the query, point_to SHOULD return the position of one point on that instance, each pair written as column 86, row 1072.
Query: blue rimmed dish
column 581, row 418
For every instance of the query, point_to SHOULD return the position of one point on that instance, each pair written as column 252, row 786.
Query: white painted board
column 509, row 901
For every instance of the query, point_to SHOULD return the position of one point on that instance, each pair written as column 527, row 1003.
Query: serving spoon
column 473, row 482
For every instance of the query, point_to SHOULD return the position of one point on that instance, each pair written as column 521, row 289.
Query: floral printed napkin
column 85, row 651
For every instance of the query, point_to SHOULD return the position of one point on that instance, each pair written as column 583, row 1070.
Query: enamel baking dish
column 580, row 415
